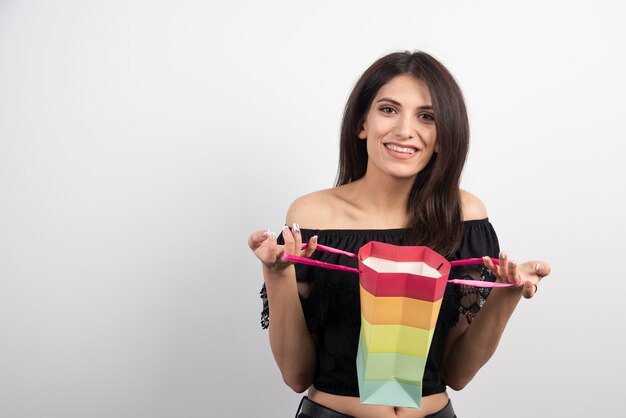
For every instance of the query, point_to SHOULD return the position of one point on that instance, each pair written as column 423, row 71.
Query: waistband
column 311, row 409
column 446, row 412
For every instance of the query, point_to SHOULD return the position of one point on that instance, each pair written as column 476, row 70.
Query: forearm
column 290, row 339
column 477, row 344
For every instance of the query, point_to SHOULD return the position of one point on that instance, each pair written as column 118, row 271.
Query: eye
column 427, row 117
column 387, row 109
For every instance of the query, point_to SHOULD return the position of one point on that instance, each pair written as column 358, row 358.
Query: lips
column 401, row 149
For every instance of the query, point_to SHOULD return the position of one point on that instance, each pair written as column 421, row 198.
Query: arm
column 469, row 347
column 290, row 340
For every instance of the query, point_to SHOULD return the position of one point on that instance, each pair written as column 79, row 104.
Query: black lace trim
column 312, row 312
column 471, row 299
column 265, row 313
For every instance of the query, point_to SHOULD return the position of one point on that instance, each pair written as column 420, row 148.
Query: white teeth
column 396, row 148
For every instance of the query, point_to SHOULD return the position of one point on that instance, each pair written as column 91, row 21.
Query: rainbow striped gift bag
column 401, row 292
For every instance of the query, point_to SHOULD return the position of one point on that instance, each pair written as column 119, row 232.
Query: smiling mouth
column 403, row 150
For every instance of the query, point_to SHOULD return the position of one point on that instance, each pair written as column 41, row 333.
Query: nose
column 405, row 128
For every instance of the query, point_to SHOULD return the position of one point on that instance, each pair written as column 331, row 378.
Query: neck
column 384, row 197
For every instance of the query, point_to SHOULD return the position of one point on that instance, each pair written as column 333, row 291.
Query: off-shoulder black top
column 332, row 309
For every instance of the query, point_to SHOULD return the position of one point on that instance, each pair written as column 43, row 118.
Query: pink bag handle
column 467, row 262
column 311, row 262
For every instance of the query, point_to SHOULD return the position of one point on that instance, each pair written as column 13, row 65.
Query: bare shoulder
column 472, row 207
column 312, row 210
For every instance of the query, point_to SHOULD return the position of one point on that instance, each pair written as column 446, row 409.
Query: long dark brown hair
column 434, row 206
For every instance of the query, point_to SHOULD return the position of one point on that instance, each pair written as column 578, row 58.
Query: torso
column 352, row 406
column 339, row 208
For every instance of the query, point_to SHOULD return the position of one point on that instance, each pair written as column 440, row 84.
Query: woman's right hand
column 264, row 245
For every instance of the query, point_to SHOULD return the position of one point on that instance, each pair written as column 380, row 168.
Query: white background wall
column 142, row 141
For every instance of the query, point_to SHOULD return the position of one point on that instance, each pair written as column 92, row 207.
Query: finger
column 290, row 246
column 537, row 268
column 542, row 269
column 308, row 251
column 503, row 268
column 529, row 289
column 272, row 249
column 297, row 235
column 494, row 268
column 256, row 238
column 490, row 265
column 513, row 274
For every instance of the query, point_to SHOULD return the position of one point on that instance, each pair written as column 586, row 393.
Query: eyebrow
column 397, row 103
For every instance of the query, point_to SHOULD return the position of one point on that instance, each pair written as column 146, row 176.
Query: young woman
column 404, row 140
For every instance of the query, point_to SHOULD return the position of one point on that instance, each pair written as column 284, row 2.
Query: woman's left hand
column 527, row 274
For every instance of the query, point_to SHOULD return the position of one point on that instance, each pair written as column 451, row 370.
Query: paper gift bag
column 401, row 291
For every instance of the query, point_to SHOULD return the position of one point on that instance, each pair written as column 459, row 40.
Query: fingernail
column 272, row 236
column 485, row 258
column 502, row 255
column 539, row 267
column 314, row 238
column 285, row 229
column 296, row 228
column 265, row 233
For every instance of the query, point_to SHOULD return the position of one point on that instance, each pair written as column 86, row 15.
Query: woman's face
column 400, row 129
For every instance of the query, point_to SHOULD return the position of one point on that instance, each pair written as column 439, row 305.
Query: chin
column 404, row 176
